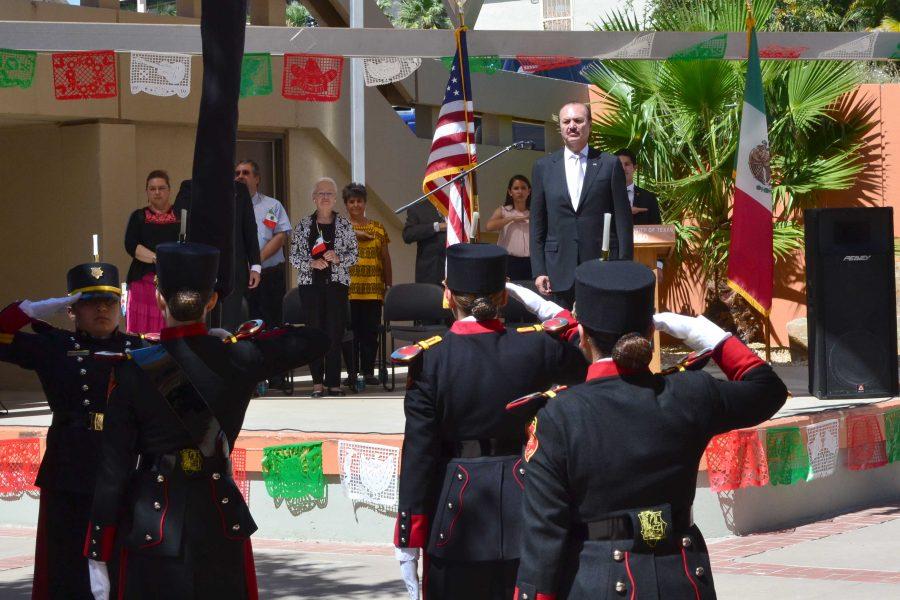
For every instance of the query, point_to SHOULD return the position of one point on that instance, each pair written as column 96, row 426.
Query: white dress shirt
column 630, row 190
column 576, row 165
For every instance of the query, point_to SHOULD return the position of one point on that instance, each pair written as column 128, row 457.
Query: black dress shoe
column 317, row 394
column 336, row 392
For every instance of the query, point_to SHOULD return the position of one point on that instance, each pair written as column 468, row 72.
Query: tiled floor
column 748, row 555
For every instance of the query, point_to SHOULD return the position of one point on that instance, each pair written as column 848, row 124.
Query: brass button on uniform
column 403, row 540
column 686, row 542
column 699, row 572
column 85, row 402
column 450, row 505
column 403, row 526
column 216, row 476
column 521, row 470
column 618, row 555
column 93, row 554
column 148, row 537
column 459, row 476
column 235, row 527
column 225, row 500
column 620, row 587
column 160, row 479
column 403, row 514
column 82, row 372
column 157, row 506
column 441, row 535
column 85, row 387
column 79, row 359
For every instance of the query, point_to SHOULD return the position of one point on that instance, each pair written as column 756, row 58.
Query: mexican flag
column 750, row 261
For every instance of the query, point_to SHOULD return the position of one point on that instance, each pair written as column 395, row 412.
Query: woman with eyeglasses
column 323, row 248
column 147, row 228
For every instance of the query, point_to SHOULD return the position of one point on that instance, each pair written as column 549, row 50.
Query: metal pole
column 521, row 145
column 357, row 104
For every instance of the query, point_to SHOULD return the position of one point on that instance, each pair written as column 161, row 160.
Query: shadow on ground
column 284, row 576
column 16, row 590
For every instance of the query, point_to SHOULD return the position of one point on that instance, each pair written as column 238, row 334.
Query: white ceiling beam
column 55, row 36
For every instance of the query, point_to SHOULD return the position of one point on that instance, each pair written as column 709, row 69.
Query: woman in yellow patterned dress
column 369, row 278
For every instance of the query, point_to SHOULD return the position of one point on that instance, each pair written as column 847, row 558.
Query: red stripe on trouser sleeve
column 250, row 572
column 735, row 359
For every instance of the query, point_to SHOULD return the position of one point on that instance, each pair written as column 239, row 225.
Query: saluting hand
column 698, row 333
column 44, row 309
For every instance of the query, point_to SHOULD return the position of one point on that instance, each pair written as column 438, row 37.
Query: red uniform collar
column 473, row 327
column 171, row 333
column 608, row 368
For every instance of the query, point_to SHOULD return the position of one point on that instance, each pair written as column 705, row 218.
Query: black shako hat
column 614, row 297
column 94, row 280
column 476, row 268
column 186, row 266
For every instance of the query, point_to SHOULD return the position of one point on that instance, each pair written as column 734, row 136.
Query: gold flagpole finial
column 461, row 7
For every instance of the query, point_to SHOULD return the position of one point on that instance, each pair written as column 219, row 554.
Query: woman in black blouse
column 323, row 248
column 149, row 226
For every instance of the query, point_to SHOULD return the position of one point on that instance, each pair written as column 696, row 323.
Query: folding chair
column 418, row 303
column 290, row 311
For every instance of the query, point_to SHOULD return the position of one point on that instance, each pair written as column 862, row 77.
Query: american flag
column 453, row 149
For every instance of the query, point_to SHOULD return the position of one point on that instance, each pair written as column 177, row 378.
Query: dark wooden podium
column 652, row 243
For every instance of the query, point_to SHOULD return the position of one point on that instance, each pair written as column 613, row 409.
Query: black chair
column 290, row 310
column 420, row 306
column 514, row 313
column 290, row 313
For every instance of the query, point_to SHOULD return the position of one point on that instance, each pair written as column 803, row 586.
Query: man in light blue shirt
column 272, row 226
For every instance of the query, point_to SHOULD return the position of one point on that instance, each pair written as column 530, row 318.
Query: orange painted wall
column 878, row 185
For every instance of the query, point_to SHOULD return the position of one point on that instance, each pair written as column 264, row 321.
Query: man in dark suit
column 245, row 258
column 426, row 227
column 572, row 189
column 644, row 205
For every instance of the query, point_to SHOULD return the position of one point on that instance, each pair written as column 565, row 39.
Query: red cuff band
column 538, row 596
column 98, row 544
column 735, row 359
column 418, row 532
column 12, row 319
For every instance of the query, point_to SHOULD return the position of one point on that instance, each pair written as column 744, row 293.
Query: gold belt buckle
column 191, row 461
column 97, row 421
column 653, row 526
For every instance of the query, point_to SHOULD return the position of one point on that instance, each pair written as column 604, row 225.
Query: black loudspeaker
column 851, row 302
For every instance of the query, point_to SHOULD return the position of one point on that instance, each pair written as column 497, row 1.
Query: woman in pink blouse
column 511, row 220
column 148, row 227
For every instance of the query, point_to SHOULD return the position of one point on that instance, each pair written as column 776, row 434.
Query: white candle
column 607, row 218
column 183, row 224
column 96, row 247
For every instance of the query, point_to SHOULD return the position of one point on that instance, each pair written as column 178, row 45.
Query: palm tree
column 682, row 119
column 297, row 15
column 422, row 14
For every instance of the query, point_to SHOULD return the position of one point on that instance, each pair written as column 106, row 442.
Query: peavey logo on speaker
column 857, row 257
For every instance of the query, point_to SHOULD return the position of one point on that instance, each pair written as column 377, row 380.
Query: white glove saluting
column 698, row 333
column 44, row 309
column 543, row 309
column 99, row 579
column 409, row 569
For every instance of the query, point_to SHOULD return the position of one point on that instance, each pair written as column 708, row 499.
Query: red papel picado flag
column 312, row 77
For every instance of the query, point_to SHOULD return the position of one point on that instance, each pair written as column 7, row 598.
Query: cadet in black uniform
column 176, row 409
column 75, row 383
column 612, row 463
column 461, row 476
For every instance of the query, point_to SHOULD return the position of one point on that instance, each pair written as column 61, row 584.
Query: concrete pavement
column 849, row 557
